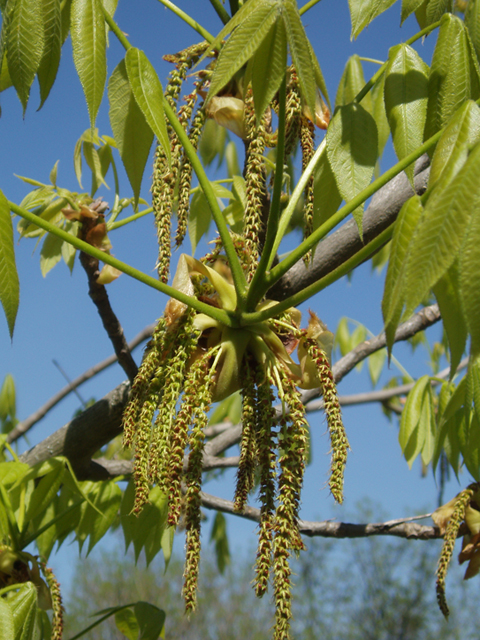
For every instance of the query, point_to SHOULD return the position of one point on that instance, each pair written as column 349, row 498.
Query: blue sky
column 57, row 320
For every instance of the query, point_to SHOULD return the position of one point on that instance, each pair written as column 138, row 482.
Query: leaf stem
column 299, row 297
column 190, row 21
column 308, row 5
column 136, row 216
column 277, row 272
column 217, row 314
column 221, row 11
column 115, row 28
column 255, row 291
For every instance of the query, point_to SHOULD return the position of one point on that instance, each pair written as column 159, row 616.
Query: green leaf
column 469, row 262
column 149, row 524
column 168, row 537
column 89, row 51
column 242, row 44
column 127, row 624
column 212, row 142
column 268, row 67
column 472, row 22
column 51, row 253
column 45, row 492
column 440, row 232
column 410, row 438
column 151, row 621
column 351, row 83
column 375, row 365
column 362, row 12
column 133, row 135
column 7, row 628
column 469, row 439
column 9, row 284
column 303, row 56
column 408, row 7
column 379, row 114
column 473, row 383
column 327, row 198
column 148, row 93
column 24, row 608
column 106, row 497
column 199, row 218
column 406, row 91
column 392, row 302
column 24, row 43
column 220, row 538
column 52, row 36
column 93, row 160
column 352, row 149
column 456, row 142
column 436, row 9
column 453, row 75
column 448, row 297
column 8, row 405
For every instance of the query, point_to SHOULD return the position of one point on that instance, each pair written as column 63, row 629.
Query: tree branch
column 98, row 294
column 341, row 245
column 401, row 528
column 25, row 425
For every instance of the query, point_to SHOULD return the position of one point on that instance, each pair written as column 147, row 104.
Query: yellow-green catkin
column 338, row 436
column 293, row 114
column 165, row 175
column 266, row 448
column 248, row 453
column 193, row 477
column 185, row 178
column 449, row 540
column 255, row 184
column 307, row 143
column 54, row 588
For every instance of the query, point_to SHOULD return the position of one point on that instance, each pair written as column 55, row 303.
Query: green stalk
column 190, row 21
column 221, row 11
column 307, row 6
column 238, row 276
column 299, row 297
column 277, row 272
column 268, row 253
column 115, row 28
column 217, row 314
column 234, row 263
column 136, row 216
column 233, row 7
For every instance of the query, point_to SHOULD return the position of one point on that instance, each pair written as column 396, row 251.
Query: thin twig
column 25, row 425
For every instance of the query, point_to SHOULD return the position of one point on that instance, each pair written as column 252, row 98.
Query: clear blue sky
column 57, row 320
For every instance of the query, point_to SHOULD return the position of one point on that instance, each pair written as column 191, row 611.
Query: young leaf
column 151, row 620
column 9, row 284
column 379, row 114
column 127, row 624
column 220, row 538
column 411, row 441
column 133, row 135
column 472, row 22
column 52, row 35
column 392, row 303
column 448, row 297
column 408, row 7
column 453, row 74
column 352, row 148
column 106, row 497
column 51, row 253
column 327, row 197
column 456, row 142
column 351, row 82
column 24, row 608
column 440, row 233
column 93, row 160
column 199, row 218
column 469, row 265
column 24, row 43
column 148, row 93
column 7, row 628
column 362, row 12
column 267, row 67
column 406, row 91
column 45, row 492
column 436, row 9
column 89, row 51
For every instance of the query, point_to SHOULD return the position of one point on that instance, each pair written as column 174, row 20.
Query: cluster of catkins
column 193, row 360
